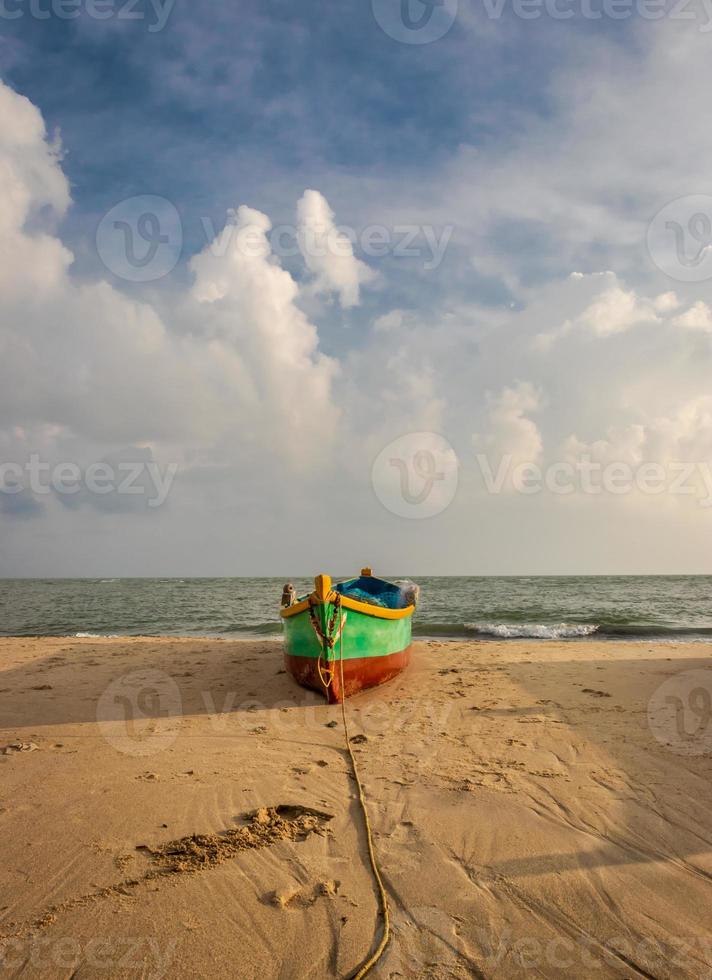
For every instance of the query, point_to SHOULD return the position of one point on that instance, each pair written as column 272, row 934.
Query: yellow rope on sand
column 372, row 960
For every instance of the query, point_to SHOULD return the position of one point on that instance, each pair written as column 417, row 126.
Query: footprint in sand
column 486, row 780
column 303, row 897
column 14, row 747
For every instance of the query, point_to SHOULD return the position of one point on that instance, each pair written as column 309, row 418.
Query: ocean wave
column 533, row 631
column 96, row 636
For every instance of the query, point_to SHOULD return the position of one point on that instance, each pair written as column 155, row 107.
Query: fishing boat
column 347, row 636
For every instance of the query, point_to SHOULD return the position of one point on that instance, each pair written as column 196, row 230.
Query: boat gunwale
column 378, row 612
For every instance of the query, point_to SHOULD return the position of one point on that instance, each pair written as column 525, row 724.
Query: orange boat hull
column 360, row 673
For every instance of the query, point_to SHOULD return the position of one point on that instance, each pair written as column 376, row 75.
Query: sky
column 289, row 288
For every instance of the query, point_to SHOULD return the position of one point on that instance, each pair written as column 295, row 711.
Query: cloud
column 328, row 251
column 17, row 501
column 510, row 432
column 246, row 366
column 614, row 311
column 260, row 336
column 31, row 180
column 666, row 302
column 698, row 317
column 679, row 446
column 576, row 182
column 272, row 423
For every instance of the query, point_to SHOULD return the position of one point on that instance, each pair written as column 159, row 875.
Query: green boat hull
column 369, row 650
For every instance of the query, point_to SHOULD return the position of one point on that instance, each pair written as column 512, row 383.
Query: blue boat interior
column 375, row 591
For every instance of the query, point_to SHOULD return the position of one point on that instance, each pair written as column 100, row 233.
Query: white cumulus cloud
column 328, row 252
column 510, row 431
column 698, row 317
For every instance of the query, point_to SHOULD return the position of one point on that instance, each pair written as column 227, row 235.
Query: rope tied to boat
column 328, row 638
column 382, row 897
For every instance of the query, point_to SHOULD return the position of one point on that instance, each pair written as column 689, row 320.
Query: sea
column 533, row 607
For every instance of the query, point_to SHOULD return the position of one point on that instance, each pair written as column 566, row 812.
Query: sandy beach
column 535, row 812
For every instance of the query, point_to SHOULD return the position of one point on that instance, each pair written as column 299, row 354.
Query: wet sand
column 540, row 809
